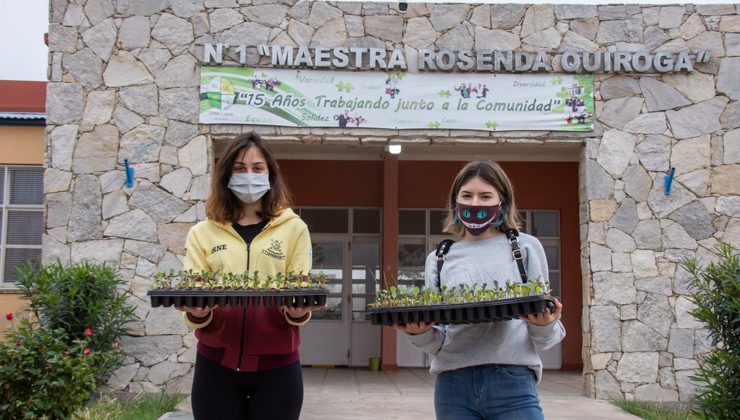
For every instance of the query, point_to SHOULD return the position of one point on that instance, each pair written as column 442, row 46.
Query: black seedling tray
column 209, row 298
column 462, row 313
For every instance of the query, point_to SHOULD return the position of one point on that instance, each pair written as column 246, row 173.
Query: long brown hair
column 491, row 173
column 223, row 206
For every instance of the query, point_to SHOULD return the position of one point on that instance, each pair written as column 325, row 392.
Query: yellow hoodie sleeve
column 300, row 259
column 195, row 255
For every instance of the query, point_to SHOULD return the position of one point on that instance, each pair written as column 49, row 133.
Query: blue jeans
column 505, row 392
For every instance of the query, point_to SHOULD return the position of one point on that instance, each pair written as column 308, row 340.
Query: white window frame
column 5, row 208
column 430, row 240
column 375, row 238
column 548, row 241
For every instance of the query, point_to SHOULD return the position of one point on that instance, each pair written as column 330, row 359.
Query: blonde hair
column 491, row 173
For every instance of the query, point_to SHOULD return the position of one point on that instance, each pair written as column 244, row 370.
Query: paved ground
column 407, row 394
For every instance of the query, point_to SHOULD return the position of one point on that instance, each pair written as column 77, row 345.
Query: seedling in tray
column 189, row 288
column 205, row 280
column 459, row 305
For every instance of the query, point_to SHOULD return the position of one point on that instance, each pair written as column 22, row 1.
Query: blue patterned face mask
column 249, row 187
column 477, row 219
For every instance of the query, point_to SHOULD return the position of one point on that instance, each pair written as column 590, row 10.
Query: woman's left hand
column 298, row 313
column 544, row 318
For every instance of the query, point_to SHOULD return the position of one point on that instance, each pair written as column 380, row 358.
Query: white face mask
column 249, row 187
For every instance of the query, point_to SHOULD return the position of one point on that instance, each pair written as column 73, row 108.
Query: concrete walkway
column 407, row 394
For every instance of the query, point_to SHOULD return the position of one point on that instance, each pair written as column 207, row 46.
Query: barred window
column 21, row 219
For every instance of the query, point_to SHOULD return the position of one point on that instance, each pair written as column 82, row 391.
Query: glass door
column 545, row 225
column 325, row 340
column 346, row 248
column 365, row 337
column 419, row 232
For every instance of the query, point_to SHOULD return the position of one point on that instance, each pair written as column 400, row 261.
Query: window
column 545, row 226
column 346, row 248
column 21, row 218
column 420, row 231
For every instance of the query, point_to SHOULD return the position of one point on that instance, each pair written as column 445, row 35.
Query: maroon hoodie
column 254, row 338
column 249, row 339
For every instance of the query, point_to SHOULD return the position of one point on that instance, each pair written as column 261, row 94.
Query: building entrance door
column 341, row 334
column 325, row 340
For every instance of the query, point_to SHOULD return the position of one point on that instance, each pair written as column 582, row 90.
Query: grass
column 137, row 408
column 652, row 411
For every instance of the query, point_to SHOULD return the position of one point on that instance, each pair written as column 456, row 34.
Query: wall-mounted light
column 403, row 6
column 394, row 149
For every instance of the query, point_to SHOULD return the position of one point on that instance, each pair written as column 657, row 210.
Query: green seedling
column 402, row 296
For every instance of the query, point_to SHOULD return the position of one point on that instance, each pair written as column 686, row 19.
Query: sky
column 23, row 54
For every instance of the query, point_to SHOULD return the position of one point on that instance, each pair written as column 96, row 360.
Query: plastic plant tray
column 209, row 298
column 462, row 313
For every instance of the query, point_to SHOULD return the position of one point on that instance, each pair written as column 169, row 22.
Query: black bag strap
column 516, row 252
column 512, row 234
column 442, row 249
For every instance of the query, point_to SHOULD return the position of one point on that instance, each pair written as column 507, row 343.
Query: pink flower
column 9, row 316
column 89, row 331
column 19, row 343
column 87, row 352
column 115, row 344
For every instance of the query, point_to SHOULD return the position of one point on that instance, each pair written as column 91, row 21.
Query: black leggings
column 222, row 393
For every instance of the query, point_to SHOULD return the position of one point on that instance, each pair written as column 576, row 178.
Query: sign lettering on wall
column 480, row 60
column 392, row 99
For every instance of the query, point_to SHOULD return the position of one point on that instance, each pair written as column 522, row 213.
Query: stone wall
column 124, row 82
column 640, row 341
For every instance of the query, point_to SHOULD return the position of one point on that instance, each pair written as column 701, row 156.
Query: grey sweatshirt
column 507, row 342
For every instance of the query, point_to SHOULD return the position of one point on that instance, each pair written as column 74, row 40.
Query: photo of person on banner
column 391, row 84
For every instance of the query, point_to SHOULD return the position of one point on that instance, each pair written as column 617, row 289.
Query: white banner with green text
column 399, row 100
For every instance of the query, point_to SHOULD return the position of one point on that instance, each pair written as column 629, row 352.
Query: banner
column 399, row 100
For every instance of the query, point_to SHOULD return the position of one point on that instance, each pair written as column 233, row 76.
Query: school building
column 22, row 120
column 619, row 126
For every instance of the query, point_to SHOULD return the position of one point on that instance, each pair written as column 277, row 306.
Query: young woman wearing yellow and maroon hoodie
column 247, row 366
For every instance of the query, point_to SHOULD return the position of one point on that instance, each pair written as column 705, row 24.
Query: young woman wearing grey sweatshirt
column 490, row 370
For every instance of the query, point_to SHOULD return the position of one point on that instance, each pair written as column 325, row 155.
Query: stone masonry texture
column 124, row 84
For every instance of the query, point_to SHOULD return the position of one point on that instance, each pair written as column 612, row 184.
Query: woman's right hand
column 414, row 328
column 196, row 312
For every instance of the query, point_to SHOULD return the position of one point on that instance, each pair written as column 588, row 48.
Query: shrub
column 45, row 375
column 78, row 299
column 717, row 297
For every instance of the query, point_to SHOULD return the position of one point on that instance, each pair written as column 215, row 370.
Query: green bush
column 77, row 298
column 717, row 297
column 44, row 374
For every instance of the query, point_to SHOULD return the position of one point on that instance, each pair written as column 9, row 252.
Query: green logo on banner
column 346, row 87
column 219, row 93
